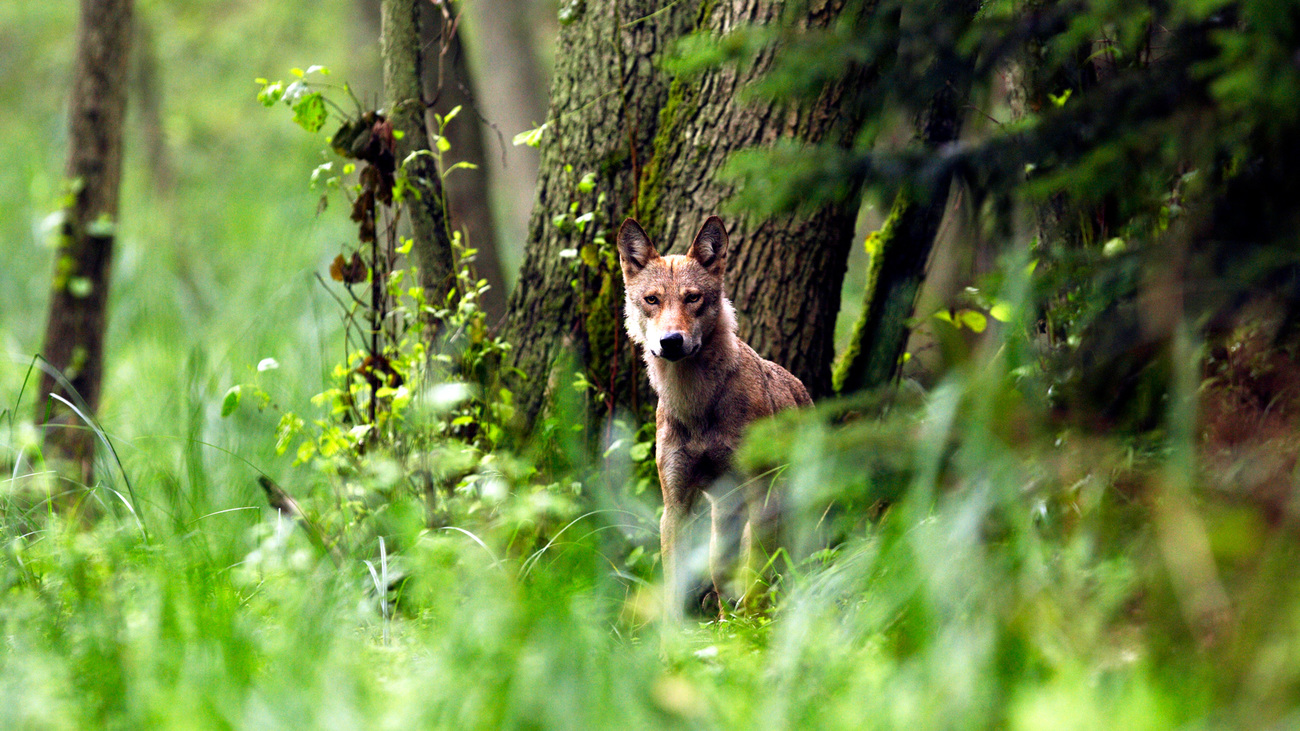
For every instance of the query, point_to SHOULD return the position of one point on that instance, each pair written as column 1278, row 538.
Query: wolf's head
column 674, row 303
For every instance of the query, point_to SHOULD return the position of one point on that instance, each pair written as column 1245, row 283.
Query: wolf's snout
column 673, row 346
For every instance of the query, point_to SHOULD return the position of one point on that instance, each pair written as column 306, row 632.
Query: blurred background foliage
column 1073, row 510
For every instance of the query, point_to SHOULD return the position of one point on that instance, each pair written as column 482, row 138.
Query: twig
column 283, row 502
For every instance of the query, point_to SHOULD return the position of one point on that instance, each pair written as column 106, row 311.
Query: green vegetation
column 1000, row 550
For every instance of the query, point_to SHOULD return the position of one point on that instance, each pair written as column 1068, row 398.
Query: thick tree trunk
column 605, row 101
column 449, row 82
column 784, row 273
column 655, row 144
column 74, row 335
column 400, row 48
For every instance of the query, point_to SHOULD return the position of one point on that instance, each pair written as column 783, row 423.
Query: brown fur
column 711, row 385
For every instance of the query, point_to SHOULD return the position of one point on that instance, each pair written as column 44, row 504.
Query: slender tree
column 450, row 82
column 898, row 265
column 74, row 334
column 403, row 66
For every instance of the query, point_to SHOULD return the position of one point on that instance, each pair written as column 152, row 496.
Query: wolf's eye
column 692, row 298
column 652, row 300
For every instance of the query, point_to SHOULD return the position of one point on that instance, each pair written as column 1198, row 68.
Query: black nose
column 672, row 346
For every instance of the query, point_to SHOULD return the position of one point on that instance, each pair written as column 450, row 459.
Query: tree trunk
column 449, row 82
column 785, row 272
column 399, row 44
column 903, row 246
column 74, row 335
column 655, row 143
column 605, row 100
column 147, row 91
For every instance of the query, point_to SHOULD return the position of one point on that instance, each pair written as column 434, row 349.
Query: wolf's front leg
column 726, row 541
column 675, row 579
column 757, row 547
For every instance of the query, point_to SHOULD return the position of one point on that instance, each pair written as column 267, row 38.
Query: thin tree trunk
column 147, row 90
column 74, row 335
column 400, row 49
column 898, row 265
column 449, row 82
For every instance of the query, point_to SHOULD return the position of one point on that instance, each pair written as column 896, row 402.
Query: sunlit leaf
column 231, row 401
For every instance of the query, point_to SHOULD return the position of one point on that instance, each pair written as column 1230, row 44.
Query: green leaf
column 296, row 72
column 442, row 144
column 309, row 111
column 80, row 287
column 531, row 137
column 587, row 184
column 271, row 93
column 230, row 402
column 462, row 164
column 640, row 451
column 976, row 321
column 1000, row 311
column 323, row 71
column 267, row 364
column 102, row 227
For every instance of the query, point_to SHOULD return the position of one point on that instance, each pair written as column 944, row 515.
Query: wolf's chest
column 694, row 455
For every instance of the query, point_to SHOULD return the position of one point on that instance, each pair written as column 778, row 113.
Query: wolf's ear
column 634, row 248
column 710, row 245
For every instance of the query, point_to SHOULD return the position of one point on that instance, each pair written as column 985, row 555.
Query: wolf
column 711, row 385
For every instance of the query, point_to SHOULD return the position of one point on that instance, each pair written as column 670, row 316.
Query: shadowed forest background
column 366, row 445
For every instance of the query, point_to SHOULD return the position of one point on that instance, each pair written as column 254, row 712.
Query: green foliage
column 953, row 558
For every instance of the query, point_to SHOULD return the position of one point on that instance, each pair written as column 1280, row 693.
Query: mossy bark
column 656, row 142
column 902, row 248
column 785, row 273
column 403, row 65
column 74, row 335
column 605, row 99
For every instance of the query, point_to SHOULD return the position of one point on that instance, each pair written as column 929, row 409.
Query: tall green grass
column 954, row 560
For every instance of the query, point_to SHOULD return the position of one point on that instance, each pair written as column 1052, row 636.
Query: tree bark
column 655, row 143
column 605, row 100
column 449, row 83
column 399, row 44
column 898, row 265
column 74, row 335
column 785, row 273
